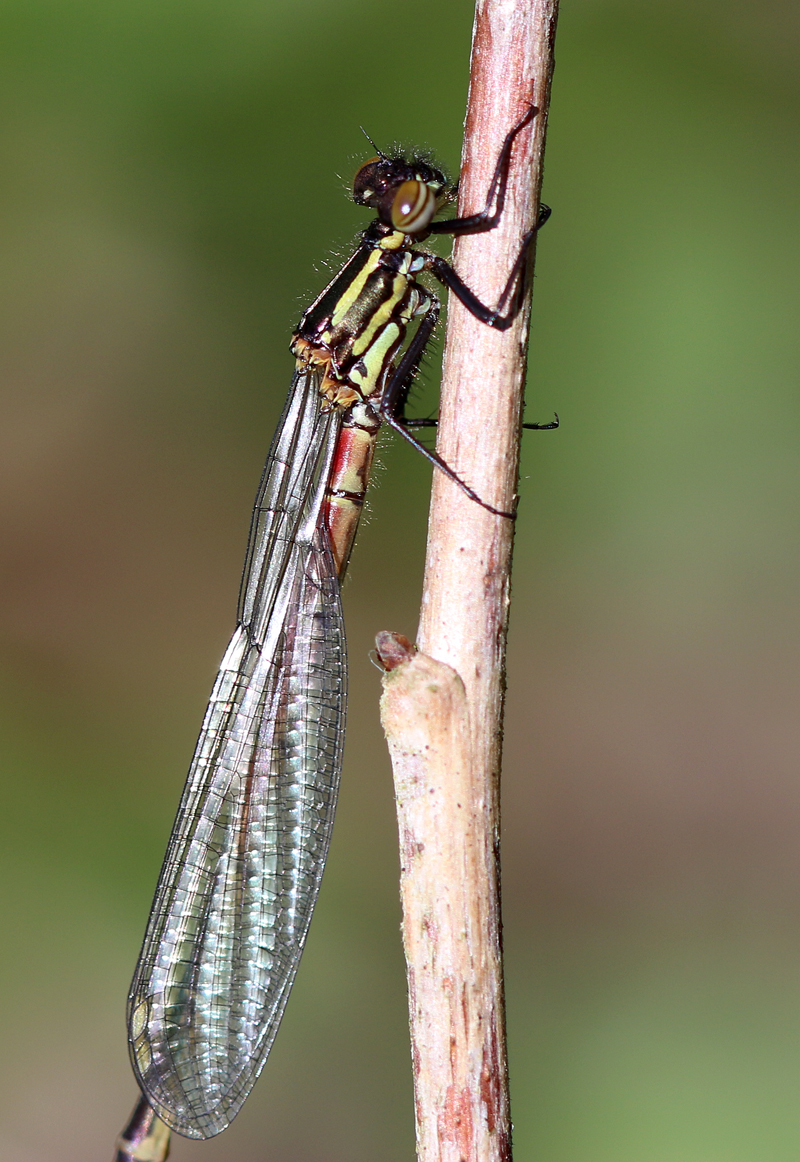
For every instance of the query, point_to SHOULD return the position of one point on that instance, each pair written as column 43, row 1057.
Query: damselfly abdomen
column 248, row 848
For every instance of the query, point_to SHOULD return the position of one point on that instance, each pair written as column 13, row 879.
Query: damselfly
column 248, row 848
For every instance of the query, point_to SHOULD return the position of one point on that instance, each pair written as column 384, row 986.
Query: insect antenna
column 379, row 152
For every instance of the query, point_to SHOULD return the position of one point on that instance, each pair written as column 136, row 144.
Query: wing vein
column 245, row 858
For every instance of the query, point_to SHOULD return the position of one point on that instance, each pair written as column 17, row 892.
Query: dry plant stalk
column 443, row 718
column 459, row 1081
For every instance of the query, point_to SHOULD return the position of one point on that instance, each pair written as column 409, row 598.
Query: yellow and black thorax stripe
column 357, row 325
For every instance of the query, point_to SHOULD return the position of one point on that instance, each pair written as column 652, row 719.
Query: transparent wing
column 247, row 851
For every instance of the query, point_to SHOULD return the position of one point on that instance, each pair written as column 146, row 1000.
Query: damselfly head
column 406, row 194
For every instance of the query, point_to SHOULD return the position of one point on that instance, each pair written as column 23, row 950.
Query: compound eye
column 367, row 166
column 413, row 207
column 364, row 184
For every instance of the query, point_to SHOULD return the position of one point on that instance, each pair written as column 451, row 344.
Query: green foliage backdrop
column 171, row 194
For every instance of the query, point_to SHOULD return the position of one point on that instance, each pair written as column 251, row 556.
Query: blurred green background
column 171, row 192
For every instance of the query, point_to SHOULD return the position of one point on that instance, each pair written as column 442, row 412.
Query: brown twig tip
column 393, row 649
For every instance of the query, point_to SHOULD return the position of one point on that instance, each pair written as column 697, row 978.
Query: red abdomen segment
column 349, row 478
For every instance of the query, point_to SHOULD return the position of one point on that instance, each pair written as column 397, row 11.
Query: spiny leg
column 499, row 318
column 487, row 219
column 393, row 401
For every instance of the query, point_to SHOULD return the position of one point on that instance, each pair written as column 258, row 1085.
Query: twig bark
column 444, row 723
column 449, row 908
